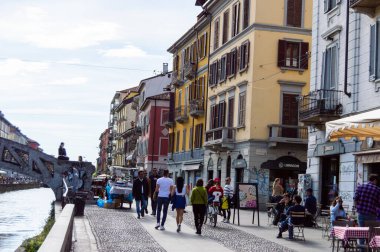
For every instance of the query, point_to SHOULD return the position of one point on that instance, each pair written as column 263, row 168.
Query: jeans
column 154, row 205
column 162, row 201
column 286, row 225
column 361, row 219
column 143, row 203
column 199, row 215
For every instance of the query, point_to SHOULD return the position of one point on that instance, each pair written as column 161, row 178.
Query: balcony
column 287, row 134
column 197, row 107
column 138, row 131
column 176, row 79
column 221, row 139
column 181, row 114
column 367, row 7
column 168, row 119
column 190, row 70
column 320, row 106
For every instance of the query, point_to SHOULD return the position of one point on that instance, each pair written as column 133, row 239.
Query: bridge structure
column 39, row 165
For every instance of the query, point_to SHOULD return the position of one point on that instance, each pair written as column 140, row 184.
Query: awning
column 190, row 167
column 361, row 126
column 367, row 157
column 285, row 163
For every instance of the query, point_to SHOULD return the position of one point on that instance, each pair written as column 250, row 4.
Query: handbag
column 224, row 203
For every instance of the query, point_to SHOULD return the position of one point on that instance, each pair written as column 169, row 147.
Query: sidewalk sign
column 247, row 197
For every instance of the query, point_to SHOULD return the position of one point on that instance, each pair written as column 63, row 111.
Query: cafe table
column 375, row 242
column 346, row 234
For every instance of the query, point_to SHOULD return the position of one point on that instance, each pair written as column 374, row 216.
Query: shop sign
column 330, row 148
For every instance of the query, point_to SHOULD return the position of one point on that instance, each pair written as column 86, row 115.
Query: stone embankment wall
column 15, row 187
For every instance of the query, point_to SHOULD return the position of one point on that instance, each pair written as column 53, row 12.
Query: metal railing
column 181, row 113
column 226, row 134
column 197, row 107
column 167, row 118
column 320, row 103
column 288, row 131
column 189, row 70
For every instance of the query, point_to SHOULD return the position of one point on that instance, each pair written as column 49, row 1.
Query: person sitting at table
column 336, row 210
column 311, row 207
column 288, row 223
column 281, row 208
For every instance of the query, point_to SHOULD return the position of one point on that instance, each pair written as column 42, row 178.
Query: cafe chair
column 298, row 229
column 325, row 217
column 271, row 212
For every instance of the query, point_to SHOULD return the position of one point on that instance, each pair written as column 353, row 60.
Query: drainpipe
column 356, row 62
column 154, row 130
column 346, row 51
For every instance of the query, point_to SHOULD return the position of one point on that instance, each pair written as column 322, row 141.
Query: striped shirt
column 228, row 191
column 367, row 198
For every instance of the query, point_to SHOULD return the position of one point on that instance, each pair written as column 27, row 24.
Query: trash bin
column 80, row 202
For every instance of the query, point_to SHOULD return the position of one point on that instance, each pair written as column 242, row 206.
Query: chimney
column 165, row 68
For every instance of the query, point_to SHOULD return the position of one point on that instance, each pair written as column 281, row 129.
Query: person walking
column 164, row 187
column 199, row 201
column 367, row 200
column 179, row 200
column 140, row 191
column 153, row 182
column 228, row 194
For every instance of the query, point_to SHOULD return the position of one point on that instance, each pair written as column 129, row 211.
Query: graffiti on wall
column 261, row 177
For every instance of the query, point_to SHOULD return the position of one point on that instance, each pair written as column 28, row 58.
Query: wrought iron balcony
column 279, row 133
column 176, row 79
column 367, row 7
column 190, row 70
column 197, row 107
column 222, row 138
column 320, row 106
column 181, row 114
column 168, row 119
column 138, row 131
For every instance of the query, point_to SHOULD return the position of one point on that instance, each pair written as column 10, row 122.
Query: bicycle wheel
column 215, row 217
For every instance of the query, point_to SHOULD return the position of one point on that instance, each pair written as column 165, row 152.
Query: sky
column 61, row 62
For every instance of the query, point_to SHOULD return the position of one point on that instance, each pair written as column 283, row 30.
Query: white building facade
column 345, row 82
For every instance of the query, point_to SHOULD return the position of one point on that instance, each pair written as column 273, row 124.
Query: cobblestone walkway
column 233, row 238
column 119, row 231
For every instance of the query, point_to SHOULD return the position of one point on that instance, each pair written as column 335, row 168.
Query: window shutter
column 372, row 52
column 297, row 13
column 323, row 82
column 247, row 54
column 218, row 67
column 228, row 64
column 290, row 17
column 238, row 18
column 281, row 53
column 238, row 59
column 304, row 57
column 204, row 45
column 246, row 14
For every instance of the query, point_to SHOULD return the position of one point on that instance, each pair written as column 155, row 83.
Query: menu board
column 248, row 196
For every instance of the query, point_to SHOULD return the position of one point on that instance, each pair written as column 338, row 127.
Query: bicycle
column 212, row 212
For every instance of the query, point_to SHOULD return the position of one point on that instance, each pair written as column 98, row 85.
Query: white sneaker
column 157, row 226
column 162, row 228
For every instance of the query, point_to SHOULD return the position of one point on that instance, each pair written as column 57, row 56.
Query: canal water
column 23, row 215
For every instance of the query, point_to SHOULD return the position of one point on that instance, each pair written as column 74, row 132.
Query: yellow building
column 258, row 66
column 188, row 101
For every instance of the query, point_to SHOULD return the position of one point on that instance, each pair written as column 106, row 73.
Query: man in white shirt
column 164, row 187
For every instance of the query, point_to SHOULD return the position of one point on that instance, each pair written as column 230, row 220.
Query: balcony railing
column 320, row 106
column 190, row 70
column 167, row 119
column 197, row 107
column 181, row 114
column 288, row 133
column 176, row 79
column 220, row 138
column 367, row 7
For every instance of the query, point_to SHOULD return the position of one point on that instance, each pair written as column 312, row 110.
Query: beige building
column 259, row 58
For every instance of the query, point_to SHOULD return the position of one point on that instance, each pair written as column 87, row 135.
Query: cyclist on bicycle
column 216, row 191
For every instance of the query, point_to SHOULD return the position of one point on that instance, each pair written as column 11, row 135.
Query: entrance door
column 239, row 175
column 210, row 175
column 330, row 179
column 228, row 167
column 289, row 115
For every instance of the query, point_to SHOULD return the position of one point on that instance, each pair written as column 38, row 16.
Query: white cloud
column 75, row 81
column 128, row 51
column 44, row 29
column 12, row 67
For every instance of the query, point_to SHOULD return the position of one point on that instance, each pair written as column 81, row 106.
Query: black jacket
column 153, row 183
column 138, row 185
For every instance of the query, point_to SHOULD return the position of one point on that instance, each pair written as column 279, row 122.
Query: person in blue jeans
column 140, row 191
column 288, row 223
column 163, row 190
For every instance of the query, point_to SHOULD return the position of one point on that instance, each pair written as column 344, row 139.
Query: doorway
column 228, row 167
column 330, row 180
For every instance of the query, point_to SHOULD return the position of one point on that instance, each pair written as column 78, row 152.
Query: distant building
column 11, row 132
column 104, row 157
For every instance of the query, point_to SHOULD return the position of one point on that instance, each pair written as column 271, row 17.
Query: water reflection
column 22, row 215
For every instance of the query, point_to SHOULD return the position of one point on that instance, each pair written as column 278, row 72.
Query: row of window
column 218, row 112
column 196, row 51
column 197, row 141
column 229, row 64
